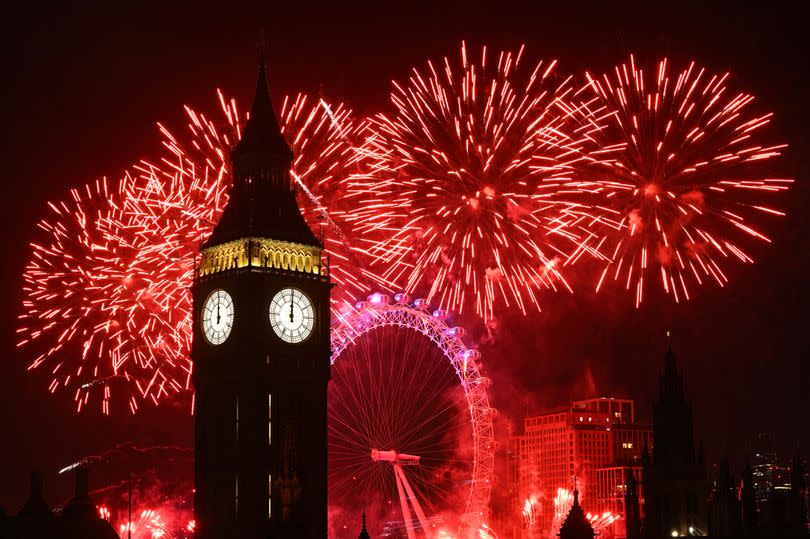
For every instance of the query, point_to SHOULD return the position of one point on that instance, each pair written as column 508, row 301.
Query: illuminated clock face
column 292, row 315
column 217, row 317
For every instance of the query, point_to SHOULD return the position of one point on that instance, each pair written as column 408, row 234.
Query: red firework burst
column 678, row 168
column 476, row 162
column 88, row 301
column 113, row 275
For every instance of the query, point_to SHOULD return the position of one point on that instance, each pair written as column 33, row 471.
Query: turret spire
column 576, row 525
column 262, row 134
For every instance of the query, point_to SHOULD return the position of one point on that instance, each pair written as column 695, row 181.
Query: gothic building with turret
column 675, row 482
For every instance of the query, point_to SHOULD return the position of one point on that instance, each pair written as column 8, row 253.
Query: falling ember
column 473, row 183
column 681, row 173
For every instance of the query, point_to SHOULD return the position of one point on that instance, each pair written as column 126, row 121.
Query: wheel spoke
column 404, row 384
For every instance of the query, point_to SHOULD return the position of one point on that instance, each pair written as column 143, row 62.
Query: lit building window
column 236, row 496
column 269, row 419
column 269, row 495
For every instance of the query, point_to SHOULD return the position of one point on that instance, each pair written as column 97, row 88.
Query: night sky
column 84, row 88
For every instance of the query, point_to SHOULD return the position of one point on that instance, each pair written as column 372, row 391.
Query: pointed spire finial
column 262, row 133
column 262, row 47
column 263, row 44
column 262, row 89
column 364, row 532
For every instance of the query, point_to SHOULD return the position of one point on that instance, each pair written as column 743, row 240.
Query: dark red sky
column 83, row 88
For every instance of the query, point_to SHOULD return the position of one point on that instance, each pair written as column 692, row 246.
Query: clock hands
column 291, row 315
column 217, row 317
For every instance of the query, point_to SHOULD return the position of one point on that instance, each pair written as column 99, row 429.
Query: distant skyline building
column 769, row 474
column 674, row 473
column 595, row 440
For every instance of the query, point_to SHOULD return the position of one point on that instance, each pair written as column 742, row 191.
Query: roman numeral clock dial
column 217, row 317
column 292, row 315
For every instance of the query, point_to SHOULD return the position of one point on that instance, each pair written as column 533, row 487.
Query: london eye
column 410, row 425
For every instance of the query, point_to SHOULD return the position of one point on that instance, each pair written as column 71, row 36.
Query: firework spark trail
column 150, row 505
column 678, row 170
column 86, row 301
column 126, row 449
column 149, row 524
column 601, row 521
column 106, row 289
column 563, row 501
column 529, row 511
column 332, row 168
column 487, row 533
column 474, row 181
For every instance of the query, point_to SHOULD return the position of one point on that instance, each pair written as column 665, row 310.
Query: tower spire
column 262, row 134
column 262, row 199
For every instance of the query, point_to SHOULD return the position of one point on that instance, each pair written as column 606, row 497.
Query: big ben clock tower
column 261, row 352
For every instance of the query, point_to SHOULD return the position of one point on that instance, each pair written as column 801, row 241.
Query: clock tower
column 261, row 352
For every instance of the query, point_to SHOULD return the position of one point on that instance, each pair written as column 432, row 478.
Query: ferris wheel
column 410, row 426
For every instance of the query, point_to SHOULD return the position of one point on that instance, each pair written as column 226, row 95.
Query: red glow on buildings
column 595, row 442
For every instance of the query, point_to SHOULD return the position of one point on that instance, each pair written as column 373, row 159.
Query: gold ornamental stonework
column 262, row 253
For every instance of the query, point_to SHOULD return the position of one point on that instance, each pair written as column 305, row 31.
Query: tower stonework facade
column 261, row 352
